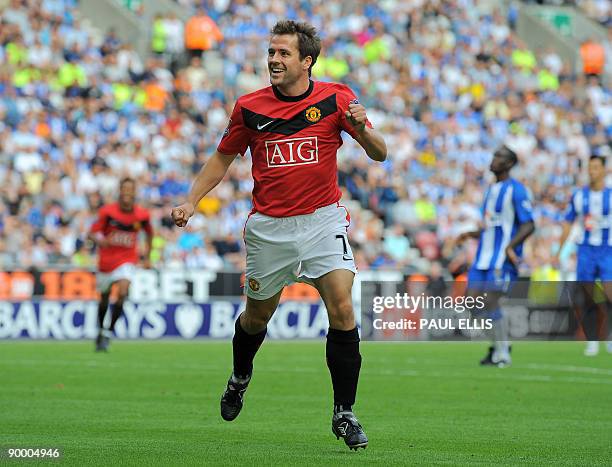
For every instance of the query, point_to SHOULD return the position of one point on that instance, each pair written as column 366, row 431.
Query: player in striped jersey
column 507, row 222
column 591, row 206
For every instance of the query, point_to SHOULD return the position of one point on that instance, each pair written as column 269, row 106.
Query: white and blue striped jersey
column 506, row 206
column 593, row 209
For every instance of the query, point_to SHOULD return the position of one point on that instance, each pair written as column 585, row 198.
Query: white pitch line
column 568, row 368
column 482, row 374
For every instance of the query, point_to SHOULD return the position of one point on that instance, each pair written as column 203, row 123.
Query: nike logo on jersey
column 259, row 127
column 120, row 225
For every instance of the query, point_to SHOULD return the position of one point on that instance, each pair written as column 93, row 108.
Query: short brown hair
column 309, row 42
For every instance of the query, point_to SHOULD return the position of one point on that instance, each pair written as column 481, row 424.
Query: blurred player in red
column 115, row 232
column 297, row 229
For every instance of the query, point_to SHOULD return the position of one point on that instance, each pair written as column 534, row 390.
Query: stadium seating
column 80, row 109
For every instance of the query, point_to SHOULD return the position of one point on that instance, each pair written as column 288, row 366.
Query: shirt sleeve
column 345, row 97
column 570, row 213
column 236, row 137
column 100, row 224
column 522, row 204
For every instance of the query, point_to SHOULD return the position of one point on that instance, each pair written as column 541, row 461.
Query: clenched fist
column 182, row 213
column 356, row 114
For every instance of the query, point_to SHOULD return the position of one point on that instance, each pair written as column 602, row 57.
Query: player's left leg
column 123, row 290
column 498, row 353
column 342, row 353
column 586, row 312
column 499, row 333
column 607, row 287
column 120, row 279
column 606, row 283
column 490, row 286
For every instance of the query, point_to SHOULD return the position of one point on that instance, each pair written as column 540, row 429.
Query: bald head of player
column 292, row 52
column 504, row 159
column 127, row 194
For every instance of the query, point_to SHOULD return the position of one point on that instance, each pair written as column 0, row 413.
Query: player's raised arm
column 210, row 176
column 368, row 138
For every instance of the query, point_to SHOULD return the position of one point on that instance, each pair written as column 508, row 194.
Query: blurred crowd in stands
column 445, row 81
column 598, row 10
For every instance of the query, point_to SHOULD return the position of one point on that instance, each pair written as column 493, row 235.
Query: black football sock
column 102, row 308
column 245, row 346
column 344, row 363
column 117, row 311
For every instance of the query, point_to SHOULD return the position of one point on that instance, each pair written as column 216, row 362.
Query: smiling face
column 284, row 63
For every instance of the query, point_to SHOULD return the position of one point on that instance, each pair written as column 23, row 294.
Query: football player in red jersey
column 297, row 229
column 115, row 232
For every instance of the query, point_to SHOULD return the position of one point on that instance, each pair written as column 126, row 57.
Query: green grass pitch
column 157, row 403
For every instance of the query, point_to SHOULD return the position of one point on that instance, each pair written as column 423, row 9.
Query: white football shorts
column 104, row 280
column 282, row 250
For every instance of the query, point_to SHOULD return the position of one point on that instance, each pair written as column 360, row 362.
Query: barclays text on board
column 50, row 319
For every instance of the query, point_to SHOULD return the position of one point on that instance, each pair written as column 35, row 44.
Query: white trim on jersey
column 487, row 249
column 505, row 220
column 595, row 223
column 578, row 205
column 507, row 225
column 596, row 211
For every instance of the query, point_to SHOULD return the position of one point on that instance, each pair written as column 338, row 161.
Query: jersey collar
column 282, row 97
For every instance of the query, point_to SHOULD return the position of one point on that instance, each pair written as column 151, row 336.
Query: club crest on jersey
column 292, row 151
column 313, row 114
column 253, row 284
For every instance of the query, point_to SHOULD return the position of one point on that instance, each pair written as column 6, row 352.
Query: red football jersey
column 293, row 143
column 121, row 230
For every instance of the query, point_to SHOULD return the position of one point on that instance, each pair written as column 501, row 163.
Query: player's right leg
column 102, row 308
column 250, row 332
column 586, row 274
column 605, row 274
column 498, row 352
column 104, row 282
column 486, row 283
column 120, row 279
column 271, row 260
